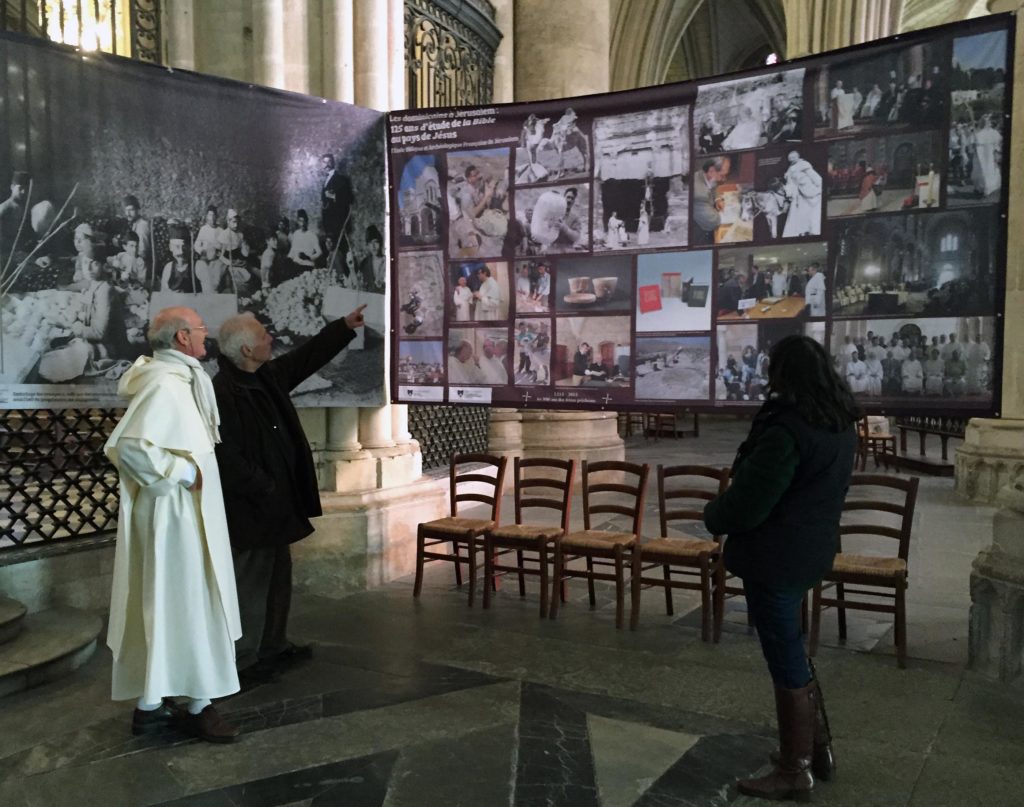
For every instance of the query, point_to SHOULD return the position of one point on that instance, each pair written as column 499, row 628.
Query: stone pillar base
column 365, row 540
column 577, row 436
column 347, row 470
column 991, row 457
column 996, row 633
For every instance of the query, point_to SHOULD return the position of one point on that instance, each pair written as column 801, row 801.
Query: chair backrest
column 549, row 485
column 857, row 501
column 597, row 498
column 493, row 482
column 684, row 491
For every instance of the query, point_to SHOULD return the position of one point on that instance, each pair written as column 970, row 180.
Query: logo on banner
column 425, row 394
column 481, row 395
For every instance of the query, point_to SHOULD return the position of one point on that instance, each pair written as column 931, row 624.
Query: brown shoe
column 208, row 725
column 154, row 721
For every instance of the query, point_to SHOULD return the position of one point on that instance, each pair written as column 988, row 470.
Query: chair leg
column 590, row 582
column 634, row 589
column 841, row 611
column 557, row 581
column 488, row 569
column 458, row 565
column 620, row 587
column 418, row 585
column 522, row 577
column 705, row 600
column 542, row 553
column 719, row 600
column 666, row 572
column 812, row 642
column 471, row 550
column 901, row 626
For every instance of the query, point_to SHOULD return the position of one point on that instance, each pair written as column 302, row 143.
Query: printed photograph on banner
column 478, row 203
column 743, row 351
column 420, row 362
column 641, row 179
column 601, row 283
column 532, row 352
column 773, row 282
column 419, row 202
column 421, row 294
column 885, row 174
column 592, row 352
column 893, row 89
column 673, row 368
column 723, row 210
column 553, row 148
column 551, row 220
column 673, row 291
column 533, row 286
column 287, row 226
column 479, row 291
column 787, row 199
column 978, row 106
column 913, row 359
column 478, row 356
column 923, row 264
column 747, row 113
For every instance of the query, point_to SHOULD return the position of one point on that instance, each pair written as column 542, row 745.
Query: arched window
column 950, row 242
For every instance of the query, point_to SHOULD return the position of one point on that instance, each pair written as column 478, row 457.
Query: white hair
column 235, row 333
column 165, row 326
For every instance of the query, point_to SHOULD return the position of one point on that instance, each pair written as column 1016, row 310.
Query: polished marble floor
column 428, row 702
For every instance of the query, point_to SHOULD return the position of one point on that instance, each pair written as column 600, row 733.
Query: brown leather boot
column 823, row 760
column 208, row 725
column 792, row 779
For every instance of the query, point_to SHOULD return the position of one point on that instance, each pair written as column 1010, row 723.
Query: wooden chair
column 887, row 574
column 554, row 475
column 603, row 548
column 686, row 555
column 868, row 443
column 462, row 532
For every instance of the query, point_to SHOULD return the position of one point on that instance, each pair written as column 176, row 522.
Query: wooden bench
column 943, row 428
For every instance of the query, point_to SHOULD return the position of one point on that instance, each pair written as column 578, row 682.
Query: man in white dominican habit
column 173, row 607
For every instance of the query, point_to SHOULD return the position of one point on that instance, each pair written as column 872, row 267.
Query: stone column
column 400, row 424
column 992, row 454
column 370, row 33
column 813, row 26
column 561, row 49
column 338, row 47
column 346, row 466
column 179, row 21
column 504, row 61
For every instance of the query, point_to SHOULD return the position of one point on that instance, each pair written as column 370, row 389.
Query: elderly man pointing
column 270, row 484
column 173, row 609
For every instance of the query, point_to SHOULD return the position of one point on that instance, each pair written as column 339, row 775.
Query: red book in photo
column 649, row 298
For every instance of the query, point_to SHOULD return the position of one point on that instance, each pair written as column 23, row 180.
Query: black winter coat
column 269, row 479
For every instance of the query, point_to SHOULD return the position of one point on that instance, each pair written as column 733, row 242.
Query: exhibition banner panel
column 645, row 249
column 134, row 187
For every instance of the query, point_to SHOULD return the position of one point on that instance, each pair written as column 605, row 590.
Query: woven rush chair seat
column 526, row 533
column 869, row 564
column 597, row 539
column 458, row 526
column 686, row 547
column 541, row 483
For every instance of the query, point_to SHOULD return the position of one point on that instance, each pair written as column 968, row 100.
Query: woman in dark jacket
column 781, row 514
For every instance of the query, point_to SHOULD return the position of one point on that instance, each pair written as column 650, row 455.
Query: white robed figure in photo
column 173, row 606
column 988, row 145
column 462, row 298
column 857, row 374
column 803, row 187
column 912, row 374
column 842, row 107
column 746, row 134
column 814, row 291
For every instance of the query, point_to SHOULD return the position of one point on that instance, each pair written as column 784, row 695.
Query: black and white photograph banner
column 129, row 188
column 646, row 249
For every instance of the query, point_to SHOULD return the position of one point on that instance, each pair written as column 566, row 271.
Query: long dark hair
column 800, row 373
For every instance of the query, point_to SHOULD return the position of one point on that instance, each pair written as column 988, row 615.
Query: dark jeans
column 776, row 615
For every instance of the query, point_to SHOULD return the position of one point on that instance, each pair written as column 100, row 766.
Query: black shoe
column 154, row 721
column 292, row 655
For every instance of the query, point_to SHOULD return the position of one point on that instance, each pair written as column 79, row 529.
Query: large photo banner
column 646, row 249
column 128, row 188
